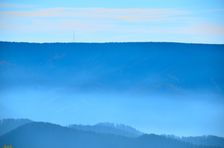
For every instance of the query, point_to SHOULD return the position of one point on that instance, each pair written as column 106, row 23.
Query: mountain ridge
column 150, row 42
column 110, row 128
column 6, row 125
column 42, row 134
column 76, row 137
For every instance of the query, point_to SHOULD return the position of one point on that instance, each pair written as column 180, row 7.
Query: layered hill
column 109, row 128
column 44, row 135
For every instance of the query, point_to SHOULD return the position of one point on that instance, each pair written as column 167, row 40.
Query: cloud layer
column 109, row 24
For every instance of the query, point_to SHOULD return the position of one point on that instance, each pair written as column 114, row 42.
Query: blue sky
column 175, row 90
column 198, row 21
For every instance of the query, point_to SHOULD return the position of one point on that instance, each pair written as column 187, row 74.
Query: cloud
column 85, row 19
column 49, row 12
column 130, row 14
column 13, row 6
column 205, row 29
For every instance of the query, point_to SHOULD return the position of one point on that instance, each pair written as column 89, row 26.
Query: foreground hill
column 45, row 135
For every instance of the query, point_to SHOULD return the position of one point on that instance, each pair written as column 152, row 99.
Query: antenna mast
column 73, row 37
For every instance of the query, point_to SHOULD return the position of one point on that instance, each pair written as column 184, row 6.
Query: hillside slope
column 45, row 135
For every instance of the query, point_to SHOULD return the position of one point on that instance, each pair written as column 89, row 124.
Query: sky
column 191, row 21
column 156, row 88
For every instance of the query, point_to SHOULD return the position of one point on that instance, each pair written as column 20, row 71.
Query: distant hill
column 139, row 67
column 208, row 140
column 110, row 128
column 45, row 135
column 205, row 140
column 6, row 125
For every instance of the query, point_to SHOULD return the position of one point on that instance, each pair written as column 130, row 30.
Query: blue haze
column 163, row 88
